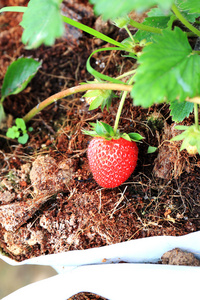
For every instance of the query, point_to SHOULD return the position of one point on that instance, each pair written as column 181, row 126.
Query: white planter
column 98, row 271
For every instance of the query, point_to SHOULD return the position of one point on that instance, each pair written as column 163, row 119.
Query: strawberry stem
column 184, row 21
column 126, row 74
column 121, row 104
column 145, row 27
column 129, row 33
column 196, row 116
column 73, row 90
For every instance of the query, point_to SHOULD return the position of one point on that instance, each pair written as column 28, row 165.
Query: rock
column 179, row 258
column 47, row 176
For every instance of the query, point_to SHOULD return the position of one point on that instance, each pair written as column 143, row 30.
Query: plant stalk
column 126, row 74
column 129, row 33
column 196, row 116
column 74, row 90
column 184, row 21
column 145, row 27
column 92, row 31
column 121, row 104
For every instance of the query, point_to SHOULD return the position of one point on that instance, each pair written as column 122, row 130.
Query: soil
column 49, row 202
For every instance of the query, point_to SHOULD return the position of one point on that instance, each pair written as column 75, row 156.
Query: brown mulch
column 49, row 202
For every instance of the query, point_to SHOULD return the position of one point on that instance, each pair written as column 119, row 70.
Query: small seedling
column 19, row 131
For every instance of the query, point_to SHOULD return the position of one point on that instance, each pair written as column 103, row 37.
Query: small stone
column 179, row 258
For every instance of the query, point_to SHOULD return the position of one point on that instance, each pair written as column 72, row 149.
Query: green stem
column 190, row 34
column 129, row 33
column 121, row 104
column 184, row 21
column 74, row 90
column 145, row 27
column 92, row 31
column 2, row 113
column 196, row 116
column 13, row 9
column 126, row 74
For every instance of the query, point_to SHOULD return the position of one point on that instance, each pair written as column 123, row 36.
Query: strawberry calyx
column 121, row 22
column 101, row 129
column 190, row 137
column 98, row 98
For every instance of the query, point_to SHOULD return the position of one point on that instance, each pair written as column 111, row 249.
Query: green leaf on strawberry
column 101, row 129
column 132, row 136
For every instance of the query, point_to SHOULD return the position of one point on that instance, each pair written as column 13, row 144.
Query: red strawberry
column 112, row 161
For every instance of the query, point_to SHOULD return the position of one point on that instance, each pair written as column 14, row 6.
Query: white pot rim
column 94, row 270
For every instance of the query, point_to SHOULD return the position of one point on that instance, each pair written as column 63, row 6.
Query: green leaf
column 91, row 31
column 184, row 8
column 96, row 102
column 157, row 21
column 168, row 70
column 91, row 93
column 97, row 74
column 89, row 132
column 193, row 6
column 99, row 128
column 190, row 137
column 42, row 23
column 107, row 101
column 13, row 8
column 121, row 22
column 180, row 110
column 135, row 136
column 18, row 75
column 116, row 8
column 151, row 149
column 108, row 128
column 23, row 139
column 181, row 127
column 13, row 132
column 30, row 129
column 126, row 137
column 20, row 124
column 100, row 98
column 2, row 113
column 157, row 12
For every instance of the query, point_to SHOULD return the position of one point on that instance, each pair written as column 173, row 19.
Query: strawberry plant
column 166, row 47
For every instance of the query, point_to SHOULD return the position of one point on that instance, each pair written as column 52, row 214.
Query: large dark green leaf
column 18, row 75
column 42, row 23
column 180, row 110
column 168, row 70
column 116, row 8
